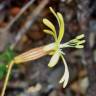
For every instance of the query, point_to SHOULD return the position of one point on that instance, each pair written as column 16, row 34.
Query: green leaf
column 61, row 29
column 54, row 60
column 2, row 56
column 7, row 56
column 3, row 70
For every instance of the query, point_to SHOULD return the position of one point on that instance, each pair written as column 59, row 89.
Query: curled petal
column 54, row 59
column 65, row 77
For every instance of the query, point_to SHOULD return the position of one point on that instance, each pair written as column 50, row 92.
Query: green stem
column 7, row 78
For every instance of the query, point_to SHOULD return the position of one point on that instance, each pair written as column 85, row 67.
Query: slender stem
column 7, row 78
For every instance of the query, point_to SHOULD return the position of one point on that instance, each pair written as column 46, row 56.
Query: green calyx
column 55, row 49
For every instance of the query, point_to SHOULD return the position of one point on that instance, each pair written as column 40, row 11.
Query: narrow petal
column 81, row 42
column 79, row 46
column 48, row 32
column 65, row 77
column 54, row 59
column 49, row 24
column 61, row 29
column 51, row 9
column 49, row 47
column 80, row 36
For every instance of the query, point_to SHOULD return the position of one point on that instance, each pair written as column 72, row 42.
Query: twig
column 19, row 14
column 6, row 29
column 29, row 23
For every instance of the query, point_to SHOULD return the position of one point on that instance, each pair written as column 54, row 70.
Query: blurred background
column 21, row 29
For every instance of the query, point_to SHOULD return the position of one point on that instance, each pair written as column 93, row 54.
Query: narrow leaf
column 2, row 70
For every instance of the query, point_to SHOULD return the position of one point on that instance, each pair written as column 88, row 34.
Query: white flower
column 56, row 47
